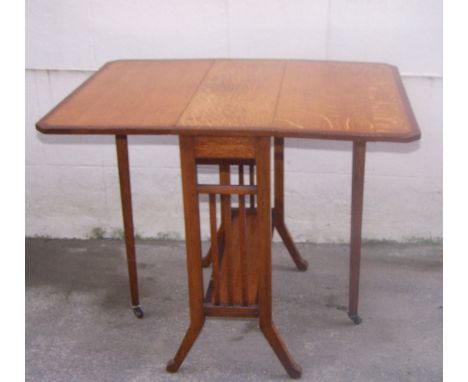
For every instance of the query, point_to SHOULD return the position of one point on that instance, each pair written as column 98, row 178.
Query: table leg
column 126, row 198
column 193, row 250
column 359, row 156
column 278, row 210
column 267, row 326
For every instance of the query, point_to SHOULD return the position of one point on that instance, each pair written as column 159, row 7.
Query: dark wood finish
column 295, row 98
column 278, row 210
column 126, row 200
column 357, row 200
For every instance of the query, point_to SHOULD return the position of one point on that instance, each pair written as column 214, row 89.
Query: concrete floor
column 79, row 326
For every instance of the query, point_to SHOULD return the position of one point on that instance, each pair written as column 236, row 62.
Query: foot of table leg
column 273, row 337
column 187, row 343
column 137, row 311
column 267, row 326
column 278, row 210
column 357, row 197
column 126, row 198
column 206, row 260
column 300, row 262
column 355, row 318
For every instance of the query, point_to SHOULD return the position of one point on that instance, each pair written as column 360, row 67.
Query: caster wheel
column 138, row 312
column 355, row 318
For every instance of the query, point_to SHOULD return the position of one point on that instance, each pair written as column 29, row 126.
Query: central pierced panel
column 233, row 252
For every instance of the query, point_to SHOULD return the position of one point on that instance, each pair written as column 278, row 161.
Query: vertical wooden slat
column 252, row 182
column 243, row 240
column 241, row 175
column 225, row 178
column 214, row 248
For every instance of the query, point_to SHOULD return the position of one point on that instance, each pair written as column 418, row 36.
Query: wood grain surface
column 128, row 95
column 233, row 253
column 236, row 94
column 349, row 98
column 282, row 98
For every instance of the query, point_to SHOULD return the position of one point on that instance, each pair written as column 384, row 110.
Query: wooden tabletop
column 283, row 98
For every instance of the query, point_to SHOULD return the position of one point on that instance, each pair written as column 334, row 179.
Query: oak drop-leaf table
column 226, row 113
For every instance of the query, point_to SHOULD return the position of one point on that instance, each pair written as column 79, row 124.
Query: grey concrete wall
column 71, row 182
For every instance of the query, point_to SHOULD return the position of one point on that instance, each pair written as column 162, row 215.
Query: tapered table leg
column 126, row 198
column 193, row 250
column 359, row 156
column 278, row 210
column 267, row 326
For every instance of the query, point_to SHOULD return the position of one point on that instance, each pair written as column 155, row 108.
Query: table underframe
column 277, row 221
